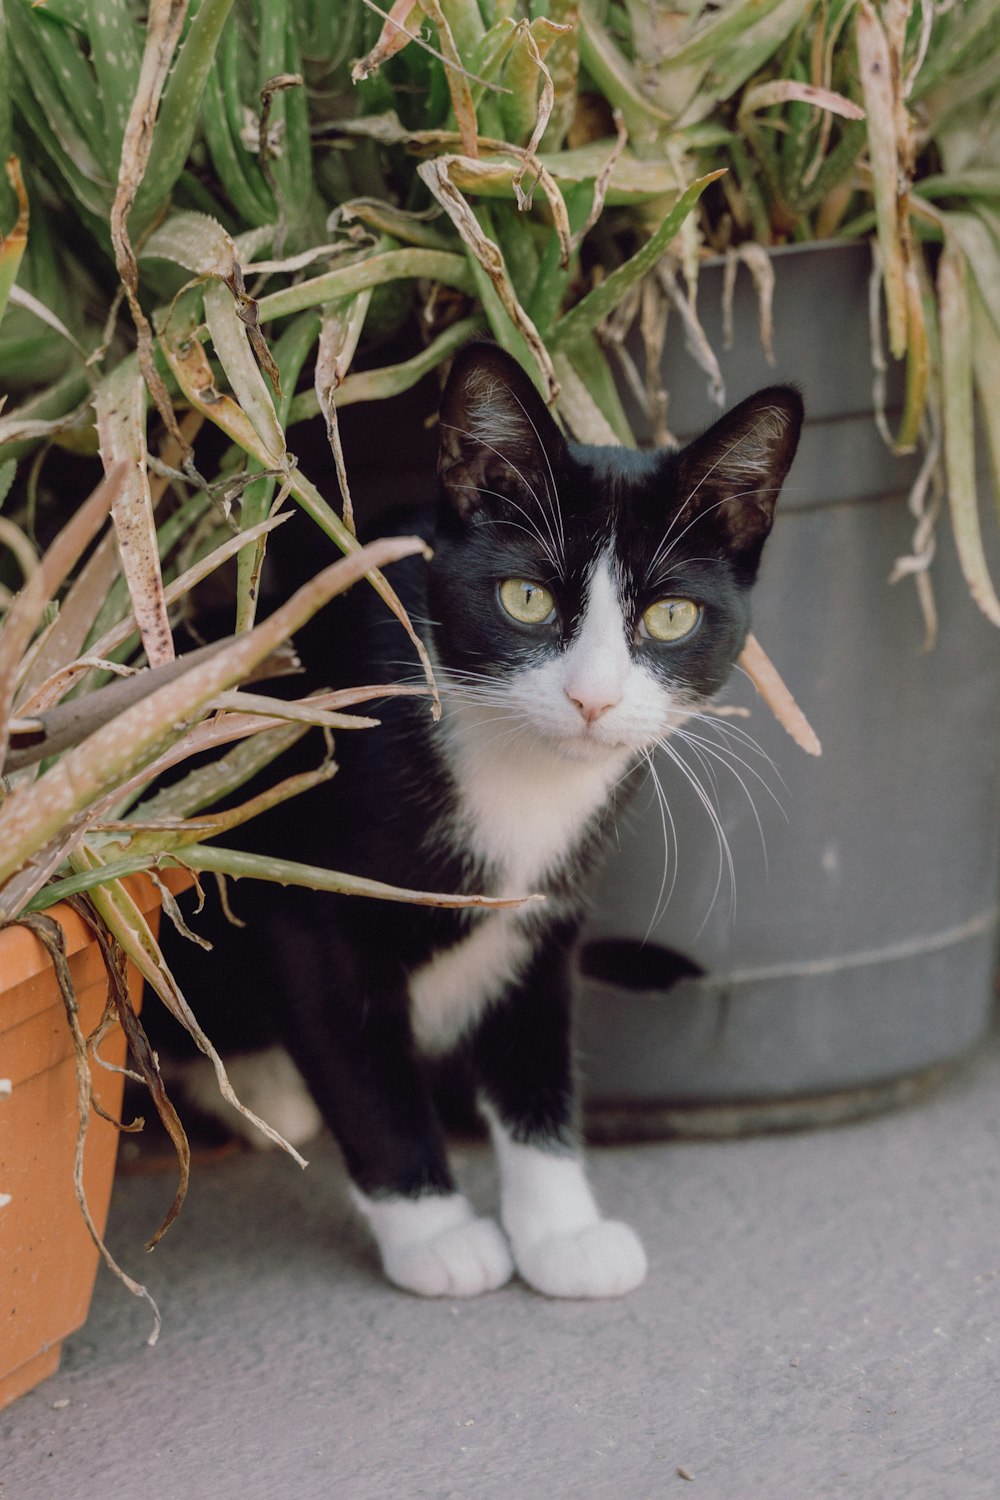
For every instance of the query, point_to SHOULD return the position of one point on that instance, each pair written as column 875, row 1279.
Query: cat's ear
column 731, row 475
column 497, row 435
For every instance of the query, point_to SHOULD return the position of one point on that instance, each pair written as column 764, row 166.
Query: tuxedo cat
column 581, row 602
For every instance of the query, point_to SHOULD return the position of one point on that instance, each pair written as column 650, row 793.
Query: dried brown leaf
column 391, row 39
column 764, row 676
column 121, row 424
column 435, row 174
column 164, row 25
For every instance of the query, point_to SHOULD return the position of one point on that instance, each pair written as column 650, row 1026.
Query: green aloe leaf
column 209, row 784
column 231, row 343
column 724, row 26
column 392, row 380
column 116, row 54
column 378, row 270
column 875, row 64
column 180, row 110
column 73, row 136
column 239, row 864
column 596, row 305
column 8, row 207
column 981, row 248
column 968, row 33
column 121, row 423
column 238, row 174
column 986, row 366
column 7, row 472
column 615, row 77
column 591, row 363
column 33, row 814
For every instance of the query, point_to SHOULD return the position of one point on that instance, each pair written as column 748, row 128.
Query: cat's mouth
column 591, row 742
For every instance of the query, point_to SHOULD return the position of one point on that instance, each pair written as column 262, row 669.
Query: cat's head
column 595, row 594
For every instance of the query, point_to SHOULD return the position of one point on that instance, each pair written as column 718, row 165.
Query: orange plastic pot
column 48, row 1262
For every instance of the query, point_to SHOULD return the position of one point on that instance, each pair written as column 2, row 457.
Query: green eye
column 670, row 619
column 526, row 601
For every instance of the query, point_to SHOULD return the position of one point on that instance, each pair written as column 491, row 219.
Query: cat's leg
column 355, row 1049
column 562, row 1246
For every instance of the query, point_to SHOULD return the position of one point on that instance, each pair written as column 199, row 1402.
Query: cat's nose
column 592, row 708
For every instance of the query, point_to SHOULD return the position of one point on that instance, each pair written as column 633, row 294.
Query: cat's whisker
column 666, row 817
column 726, row 863
column 554, row 551
column 691, row 494
column 554, row 497
column 728, row 754
column 516, row 720
column 549, row 547
column 532, row 532
column 659, row 579
column 669, row 543
column 391, row 622
column 723, row 760
column 725, row 457
column 477, row 438
column 743, row 739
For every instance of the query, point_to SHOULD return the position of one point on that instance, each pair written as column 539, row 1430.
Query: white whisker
column 726, row 864
column 661, row 903
column 552, row 509
column 667, row 546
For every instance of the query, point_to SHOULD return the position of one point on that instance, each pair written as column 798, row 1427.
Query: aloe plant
column 274, row 121
column 849, row 118
column 210, row 352
column 207, row 209
column 306, row 179
column 275, row 185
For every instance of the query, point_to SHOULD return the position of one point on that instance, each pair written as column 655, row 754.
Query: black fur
column 334, row 968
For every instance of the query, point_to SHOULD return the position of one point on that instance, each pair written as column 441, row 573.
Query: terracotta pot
column 48, row 1258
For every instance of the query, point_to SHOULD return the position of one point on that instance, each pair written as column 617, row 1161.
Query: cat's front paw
column 459, row 1262
column 605, row 1259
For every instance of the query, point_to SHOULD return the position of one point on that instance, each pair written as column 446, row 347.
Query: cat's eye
column 670, row 619
column 527, row 602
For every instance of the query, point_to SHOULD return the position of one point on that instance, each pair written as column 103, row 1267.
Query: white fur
column 561, row 1245
column 496, row 418
column 436, row 1246
column 751, row 456
column 598, row 671
column 521, row 813
column 529, row 782
column 448, row 993
column 268, row 1082
column 598, row 665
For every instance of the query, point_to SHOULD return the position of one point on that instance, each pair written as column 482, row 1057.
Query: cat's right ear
column 497, row 435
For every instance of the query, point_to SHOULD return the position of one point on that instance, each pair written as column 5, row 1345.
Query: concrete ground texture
column 820, row 1319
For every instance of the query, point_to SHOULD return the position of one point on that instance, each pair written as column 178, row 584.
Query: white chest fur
column 522, row 811
column 533, row 764
column 524, row 804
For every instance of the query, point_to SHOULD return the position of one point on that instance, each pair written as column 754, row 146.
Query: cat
column 581, row 602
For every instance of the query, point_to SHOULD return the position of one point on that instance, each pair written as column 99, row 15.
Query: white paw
column 459, row 1262
column 605, row 1259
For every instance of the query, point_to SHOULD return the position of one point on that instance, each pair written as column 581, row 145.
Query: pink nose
column 591, row 709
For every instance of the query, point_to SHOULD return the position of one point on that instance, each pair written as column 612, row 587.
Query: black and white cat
column 581, row 602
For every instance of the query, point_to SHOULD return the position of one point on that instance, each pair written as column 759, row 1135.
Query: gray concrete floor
column 820, row 1318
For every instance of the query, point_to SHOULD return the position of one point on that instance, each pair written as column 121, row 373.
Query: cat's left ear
column 731, row 475
column 497, row 435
